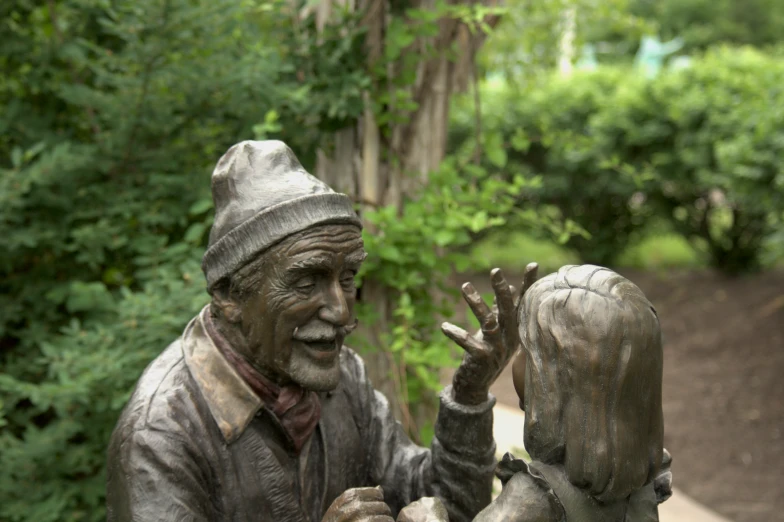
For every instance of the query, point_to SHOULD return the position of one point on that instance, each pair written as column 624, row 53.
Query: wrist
column 465, row 429
column 469, row 396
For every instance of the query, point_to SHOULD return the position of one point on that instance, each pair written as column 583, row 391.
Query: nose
column 335, row 308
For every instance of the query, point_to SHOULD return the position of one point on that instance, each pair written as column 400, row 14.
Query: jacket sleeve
column 458, row 469
column 153, row 475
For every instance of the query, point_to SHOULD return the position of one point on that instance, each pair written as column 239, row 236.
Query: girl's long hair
column 593, row 379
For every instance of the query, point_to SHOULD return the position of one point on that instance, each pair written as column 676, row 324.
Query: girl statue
column 589, row 379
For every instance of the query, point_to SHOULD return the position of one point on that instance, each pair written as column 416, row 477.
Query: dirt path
column 723, row 387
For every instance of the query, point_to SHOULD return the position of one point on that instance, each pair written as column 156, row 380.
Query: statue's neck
column 237, row 341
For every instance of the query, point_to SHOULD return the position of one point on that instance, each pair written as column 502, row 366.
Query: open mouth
column 321, row 346
column 321, row 350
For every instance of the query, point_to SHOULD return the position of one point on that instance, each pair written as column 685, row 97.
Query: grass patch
column 661, row 251
column 512, row 251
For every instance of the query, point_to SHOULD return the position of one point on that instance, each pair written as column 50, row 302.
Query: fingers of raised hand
column 503, row 297
column 529, row 278
column 467, row 342
column 482, row 312
column 531, row 271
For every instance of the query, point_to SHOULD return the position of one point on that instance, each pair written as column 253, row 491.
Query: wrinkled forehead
column 328, row 240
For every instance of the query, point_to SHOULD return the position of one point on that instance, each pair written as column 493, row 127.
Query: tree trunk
column 359, row 164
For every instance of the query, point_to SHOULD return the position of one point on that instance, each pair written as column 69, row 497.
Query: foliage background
column 113, row 113
column 112, row 117
column 696, row 149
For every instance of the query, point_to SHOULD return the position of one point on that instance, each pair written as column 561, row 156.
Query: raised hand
column 359, row 505
column 489, row 350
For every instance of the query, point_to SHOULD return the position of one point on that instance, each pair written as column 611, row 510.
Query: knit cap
column 262, row 194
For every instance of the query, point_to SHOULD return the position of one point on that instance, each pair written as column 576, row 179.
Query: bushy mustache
column 321, row 332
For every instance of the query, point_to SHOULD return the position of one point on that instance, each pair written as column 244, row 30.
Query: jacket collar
column 231, row 401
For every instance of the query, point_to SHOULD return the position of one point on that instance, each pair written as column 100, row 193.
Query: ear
column 229, row 309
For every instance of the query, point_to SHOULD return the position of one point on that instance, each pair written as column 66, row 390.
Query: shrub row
column 112, row 115
column 700, row 147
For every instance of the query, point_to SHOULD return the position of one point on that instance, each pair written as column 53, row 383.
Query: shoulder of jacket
column 165, row 398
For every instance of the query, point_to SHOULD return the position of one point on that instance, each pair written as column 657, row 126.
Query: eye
column 347, row 279
column 304, row 284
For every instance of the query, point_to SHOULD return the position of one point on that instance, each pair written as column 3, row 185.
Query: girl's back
column 539, row 492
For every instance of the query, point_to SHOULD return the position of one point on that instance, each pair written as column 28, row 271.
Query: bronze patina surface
column 589, row 379
column 259, row 412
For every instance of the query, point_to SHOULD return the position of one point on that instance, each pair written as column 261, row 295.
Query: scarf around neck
column 298, row 410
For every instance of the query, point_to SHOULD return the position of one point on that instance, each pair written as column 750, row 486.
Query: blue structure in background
column 587, row 59
column 652, row 53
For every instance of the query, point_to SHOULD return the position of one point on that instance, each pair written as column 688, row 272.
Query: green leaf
column 195, row 233
column 494, row 149
column 479, row 221
column 16, row 157
column 443, row 237
column 389, row 252
column 520, row 141
column 85, row 297
column 200, row 207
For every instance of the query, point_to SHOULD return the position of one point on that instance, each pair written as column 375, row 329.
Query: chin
column 324, row 383
column 315, row 378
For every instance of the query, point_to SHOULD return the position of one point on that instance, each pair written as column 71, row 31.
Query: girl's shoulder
column 526, row 496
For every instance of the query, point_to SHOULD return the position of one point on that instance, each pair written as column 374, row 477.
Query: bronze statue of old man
column 259, row 412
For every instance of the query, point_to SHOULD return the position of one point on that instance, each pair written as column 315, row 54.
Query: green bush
column 112, row 115
column 719, row 163
column 700, row 147
column 713, row 135
column 705, row 23
column 549, row 131
column 700, row 24
column 414, row 253
column 111, row 118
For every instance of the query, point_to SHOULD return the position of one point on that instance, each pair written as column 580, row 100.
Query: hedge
column 700, row 147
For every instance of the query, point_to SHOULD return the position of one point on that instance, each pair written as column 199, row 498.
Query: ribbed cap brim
column 249, row 239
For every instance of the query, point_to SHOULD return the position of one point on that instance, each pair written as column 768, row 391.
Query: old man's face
column 295, row 324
